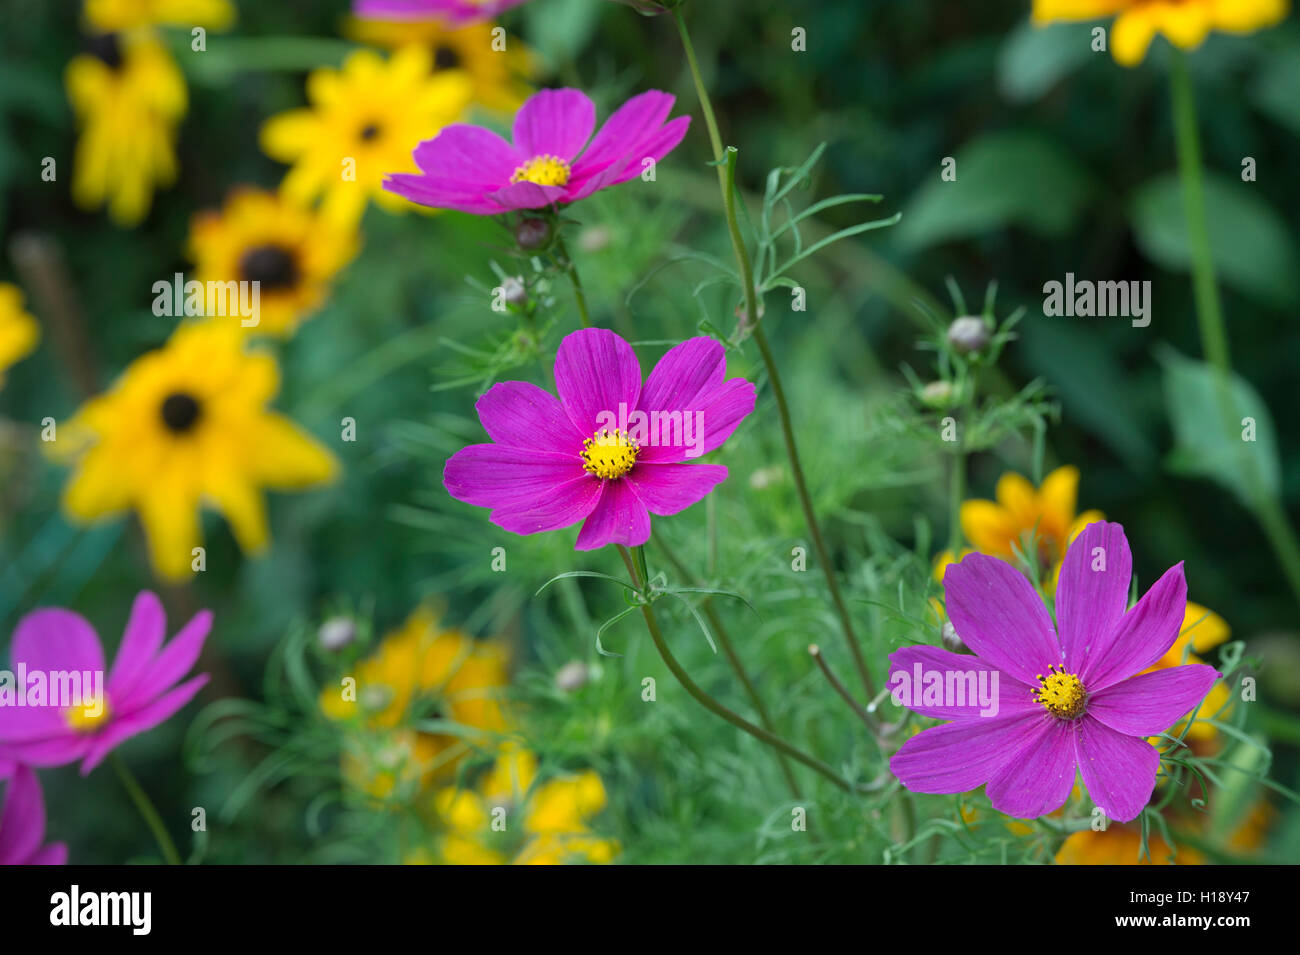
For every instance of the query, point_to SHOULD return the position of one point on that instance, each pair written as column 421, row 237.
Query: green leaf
column 1005, row 179
column 1033, row 59
column 1252, row 248
column 1203, row 444
column 1274, row 88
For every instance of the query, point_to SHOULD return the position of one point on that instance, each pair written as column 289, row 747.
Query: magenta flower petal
column 656, row 147
column 7, row 765
column 145, row 631
column 489, row 475
column 666, row 489
column 51, row 749
column 521, row 415
column 56, row 853
column 526, row 195
column 1119, row 770
column 1150, row 703
column 1013, row 697
column 554, row 123
column 619, row 518
column 1039, row 779
column 1142, row 636
column 1000, row 616
column 154, row 714
column 961, row 756
column 56, row 639
column 22, row 822
column 420, row 189
column 595, row 372
column 1092, row 594
column 463, row 157
column 632, row 123
column 717, row 408
column 178, row 657
column 451, row 13
column 685, row 373
column 562, row 506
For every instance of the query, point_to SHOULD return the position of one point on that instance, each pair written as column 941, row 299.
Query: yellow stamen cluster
column 545, row 170
column 609, row 454
column 1062, row 693
column 82, row 720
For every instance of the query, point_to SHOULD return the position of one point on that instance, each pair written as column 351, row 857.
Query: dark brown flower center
column 107, row 47
column 180, row 412
column 271, row 266
column 445, row 58
column 369, row 132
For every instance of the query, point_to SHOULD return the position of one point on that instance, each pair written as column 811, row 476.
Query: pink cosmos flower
column 1068, row 697
column 452, row 13
column 609, row 451
column 472, row 169
column 140, row 690
column 22, row 824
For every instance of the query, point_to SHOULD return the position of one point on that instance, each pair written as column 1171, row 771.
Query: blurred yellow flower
column 19, row 332
column 1185, row 23
column 420, row 671
column 512, row 818
column 112, row 15
column 289, row 250
column 1040, row 522
column 187, row 426
column 1121, row 843
column 364, row 121
column 498, row 78
column 128, row 97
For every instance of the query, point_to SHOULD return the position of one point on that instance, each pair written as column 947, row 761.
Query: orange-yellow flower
column 1185, row 23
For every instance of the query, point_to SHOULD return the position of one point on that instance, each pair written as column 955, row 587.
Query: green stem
column 726, row 163
column 572, row 269
column 147, row 811
column 1209, row 309
column 703, row 698
column 729, row 649
column 1267, row 509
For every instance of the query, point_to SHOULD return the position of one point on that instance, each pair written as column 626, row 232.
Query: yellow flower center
column 1061, row 693
column 545, row 170
column 82, row 718
column 608, row 454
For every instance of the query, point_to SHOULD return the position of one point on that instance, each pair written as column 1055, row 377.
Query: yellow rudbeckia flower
column 19, row 332
column 187, row 426
column 498, row 78
column 512, row 818
column 292, row 252
column 421, row 671
column 1185, row 23
column 128, row 97
column 364, row 121
column 110, row 15
column 1039, row 521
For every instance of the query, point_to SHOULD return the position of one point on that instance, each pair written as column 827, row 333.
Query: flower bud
column 336, row 633
column 950, row 639
column 938, row 394
column 572, row 676
column 968, row 334
column 514, row 291
column 533, row 233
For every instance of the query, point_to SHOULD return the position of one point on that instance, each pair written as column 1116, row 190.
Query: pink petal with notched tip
column 1040, row 778
column 1150, row 703
column 1001, row 617
column 670, row 488
column 554, row 123
column 146, row 629
column 1092, row 593
column 1119, row 770
column 618, row 518
column 596, row 371
column 489, row 475
column 1142, row 636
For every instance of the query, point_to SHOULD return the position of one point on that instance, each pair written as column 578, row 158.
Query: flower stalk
column 147, row 810
column 726, row 163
